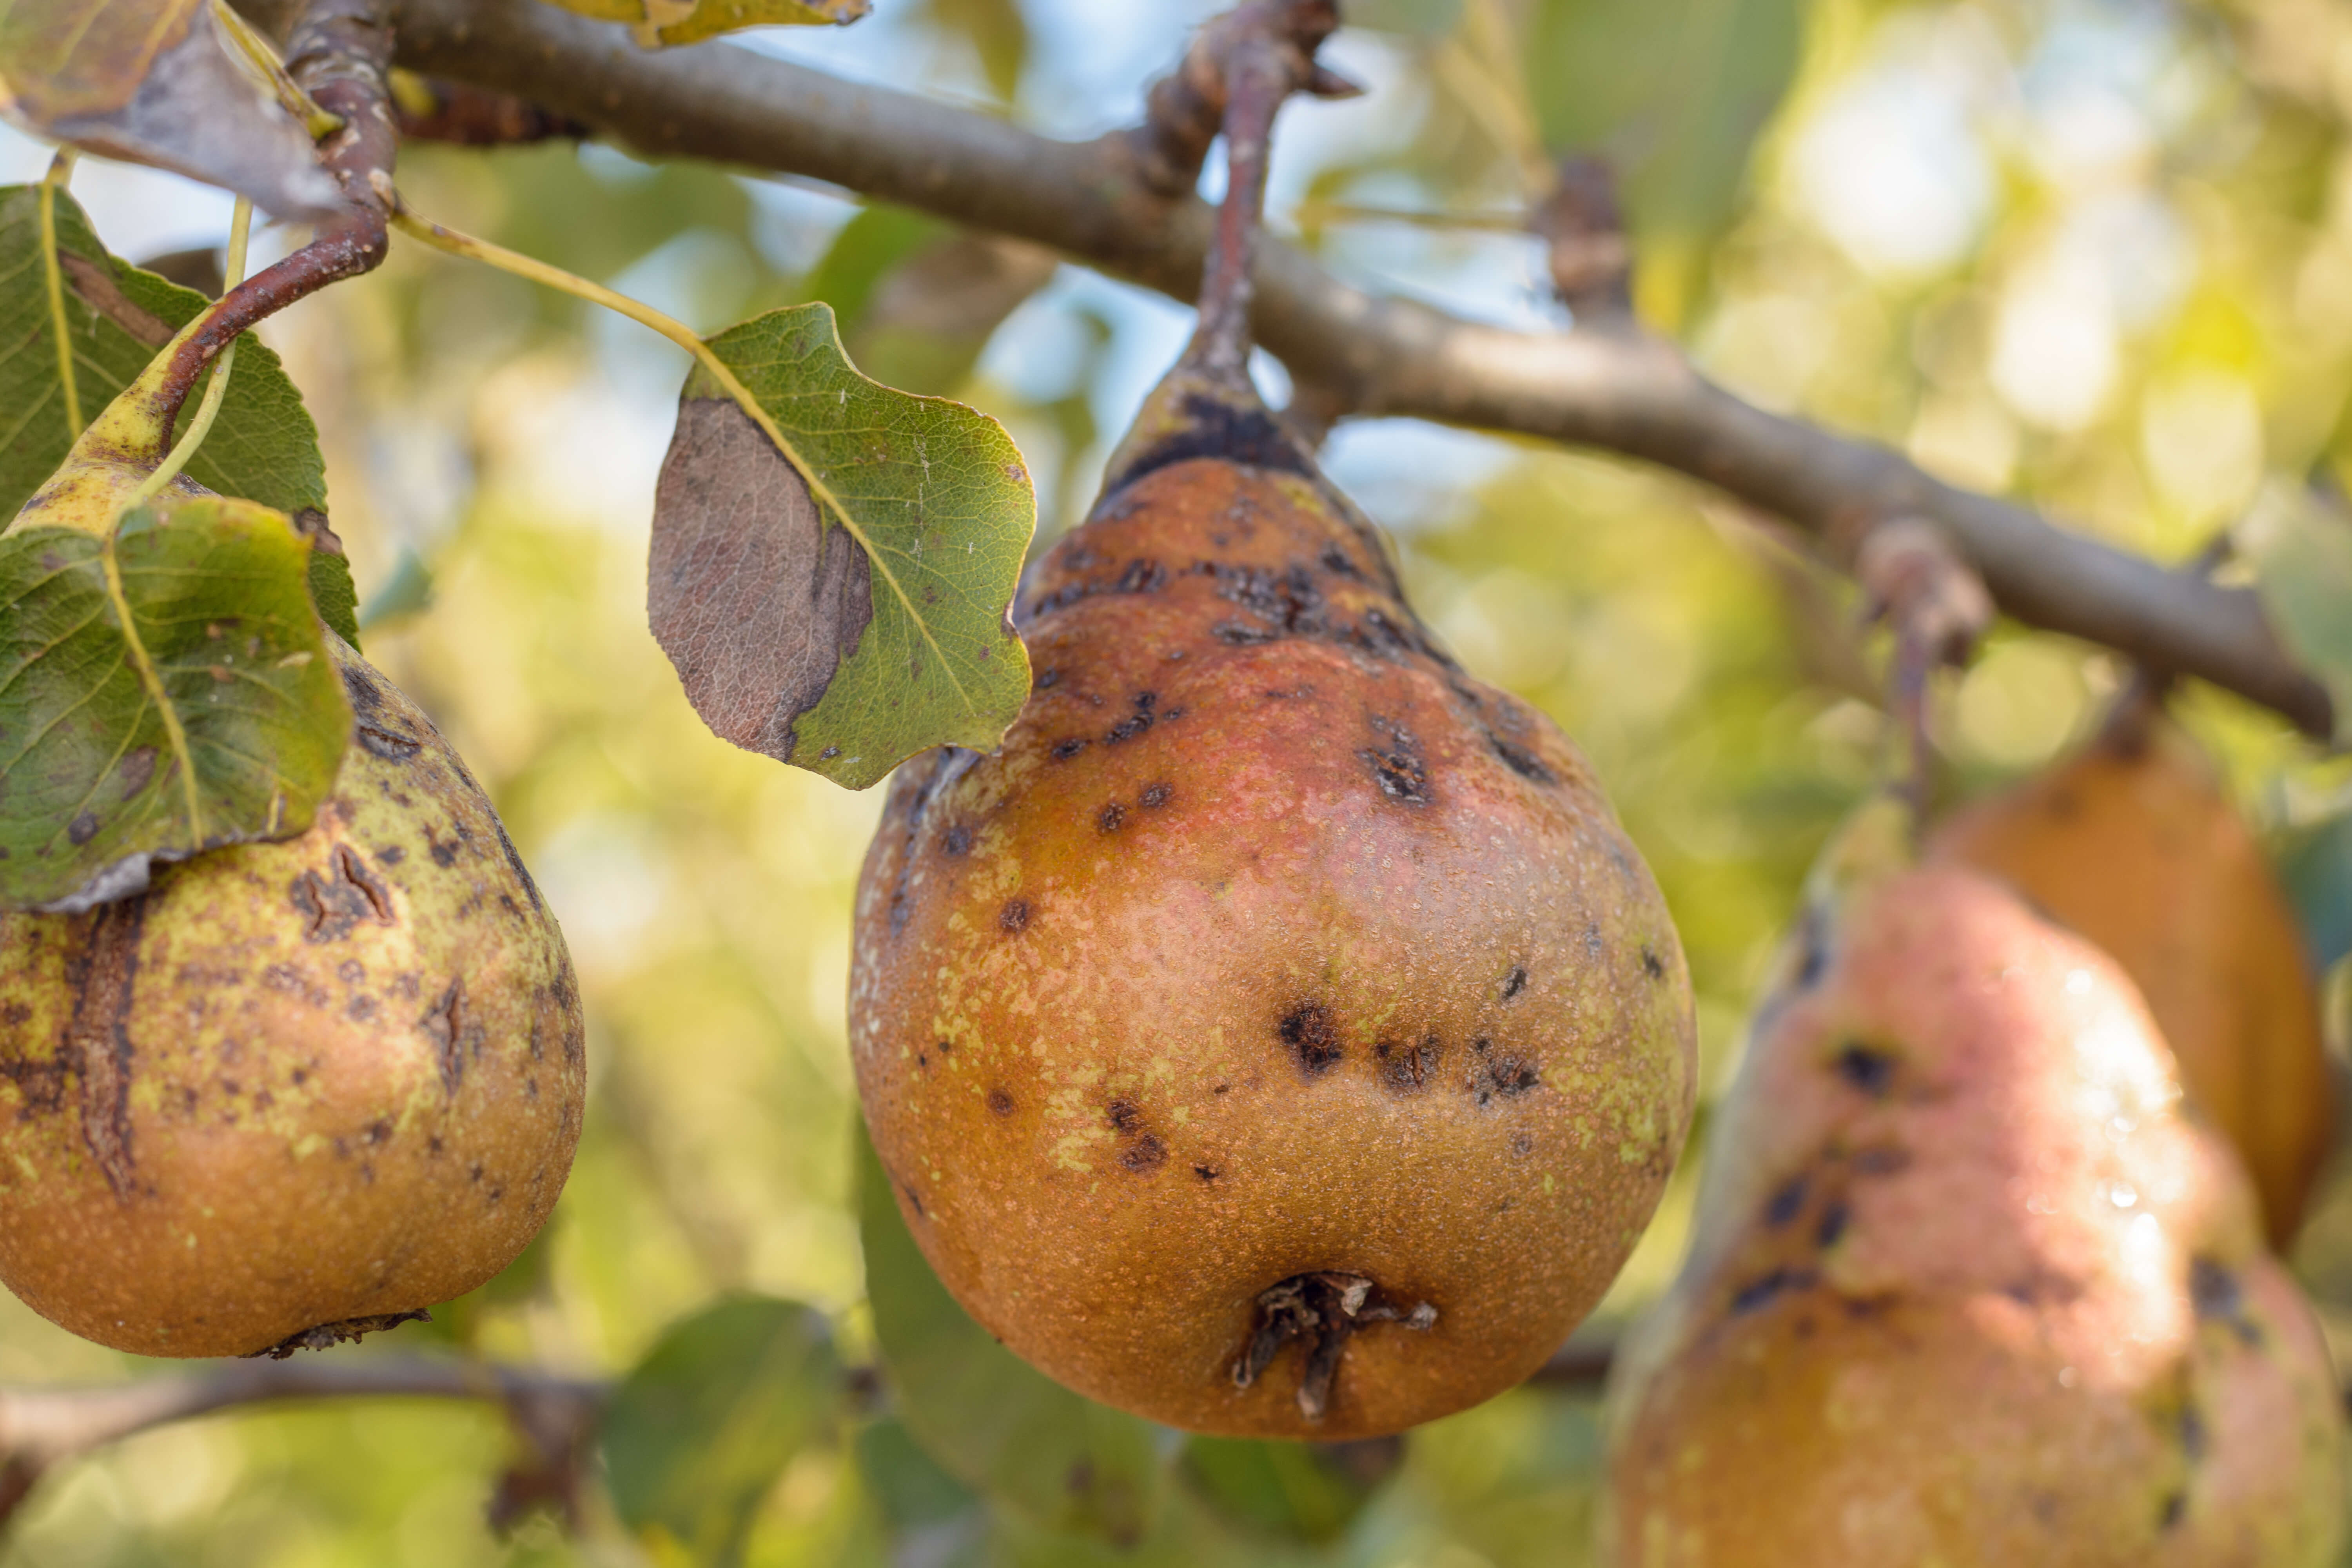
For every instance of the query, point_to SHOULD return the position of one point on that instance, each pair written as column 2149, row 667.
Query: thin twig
column 216, row 390
column 42, row 1427
column 1622, row 390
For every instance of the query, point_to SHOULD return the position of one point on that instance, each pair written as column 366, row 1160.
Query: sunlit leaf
column 2301, row 547
column 165, row 83
column 665, row 23
column 1673, row 95
column 992, row 1421
column 700, row 1429
column 845, row 607
column 163, row 691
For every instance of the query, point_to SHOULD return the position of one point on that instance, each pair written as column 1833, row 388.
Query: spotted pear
column 294, row 1092
column 2132, row 843
column 1968, row 1289
column 1278, row 1036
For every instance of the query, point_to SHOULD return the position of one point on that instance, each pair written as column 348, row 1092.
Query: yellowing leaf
column 661, row 24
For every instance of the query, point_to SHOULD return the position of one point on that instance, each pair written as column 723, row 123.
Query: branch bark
column 1615, row 388
column 40, row 1427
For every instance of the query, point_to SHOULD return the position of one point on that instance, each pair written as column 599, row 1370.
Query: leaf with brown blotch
column 832, row 568
column 166, row 83
column 662, row 24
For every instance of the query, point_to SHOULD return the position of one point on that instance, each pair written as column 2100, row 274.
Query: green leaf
column 701, row 1430
column 841, row 602
column 666, row 23
column 2316, row 869
column 1305, row 1492
column 167, row 82
column 992, row 1421
column 1673, row 95
column 906, row 1482
column 408, row 591
column 2300, row 544
column 162, row 692
column 333, row 593
column 866, row 249
column 262, row 447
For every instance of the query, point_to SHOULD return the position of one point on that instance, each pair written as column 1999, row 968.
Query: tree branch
column 40, row 1427
column 1615, row 388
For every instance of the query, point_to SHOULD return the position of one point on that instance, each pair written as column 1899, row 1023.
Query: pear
column 1278, row 1036
column 295, row 1091
column 1968, row 1288
column 2132, row 842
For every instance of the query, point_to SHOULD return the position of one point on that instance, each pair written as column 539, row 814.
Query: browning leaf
column 165, row 83
column 841, row 604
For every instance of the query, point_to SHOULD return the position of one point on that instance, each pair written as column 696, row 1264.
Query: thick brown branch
column 1622, row 390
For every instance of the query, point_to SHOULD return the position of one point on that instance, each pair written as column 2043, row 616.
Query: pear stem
column 339, row 54
column 60, row 174
column 216, row 390
column 1256, row 83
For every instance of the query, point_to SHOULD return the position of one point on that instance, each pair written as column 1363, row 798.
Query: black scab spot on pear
column 999, row 1103
column 1651, row 964
column 1407, row 1068
column 957, row 841
column 1124, row 1116
column 1154, row 797
column 1499, row 1076
column 1206, row 1172
column 1110, row 819
column 1147, row 1153
column 1313, row 1034
column 1787, row 1201
column 2219, row 1295
column 1515, row 982
column 1015, row 916
column 1214, row 428
column 1766, row 1287
column 1520, row 761
column 1063, row 751
column 1866, row 1068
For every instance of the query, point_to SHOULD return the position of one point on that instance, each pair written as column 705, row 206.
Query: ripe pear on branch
column 1967, row 1287
column 290, row 1048
column 2132, row 842
column 295, row 1091
column 1279, row 1036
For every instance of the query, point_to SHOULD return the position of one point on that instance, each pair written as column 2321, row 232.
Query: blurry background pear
column 2132, row 842
column 1968, row 1289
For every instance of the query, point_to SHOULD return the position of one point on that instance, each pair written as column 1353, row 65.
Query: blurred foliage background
column 2094, row 254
